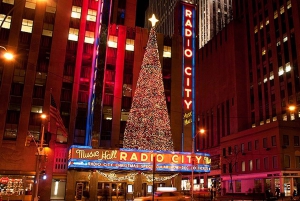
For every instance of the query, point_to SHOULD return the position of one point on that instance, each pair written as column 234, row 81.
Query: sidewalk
column 245, row 197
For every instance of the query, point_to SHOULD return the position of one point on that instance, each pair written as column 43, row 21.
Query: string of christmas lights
column 114, row 177
column 148, row 125
column 149, row 177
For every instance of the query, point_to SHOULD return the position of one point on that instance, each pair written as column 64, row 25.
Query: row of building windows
column 249, row 165
column 285, row 142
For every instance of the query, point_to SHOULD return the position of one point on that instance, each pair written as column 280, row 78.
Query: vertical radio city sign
column 188, row 62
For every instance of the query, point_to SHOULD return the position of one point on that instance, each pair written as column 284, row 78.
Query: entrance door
column 110, row 191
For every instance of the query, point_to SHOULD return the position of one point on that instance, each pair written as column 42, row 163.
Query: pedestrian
column 277, row 191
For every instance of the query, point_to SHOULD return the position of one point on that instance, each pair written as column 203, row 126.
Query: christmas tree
column 148, row 124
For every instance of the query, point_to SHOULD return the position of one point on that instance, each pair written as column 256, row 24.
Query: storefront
column 123, row 174
column 16, row 187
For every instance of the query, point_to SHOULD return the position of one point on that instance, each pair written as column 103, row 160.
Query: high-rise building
column 87, row 56
column 248, row 78
column 212, row 16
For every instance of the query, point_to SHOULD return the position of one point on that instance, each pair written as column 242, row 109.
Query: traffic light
column 28, row 141
column 44, row 175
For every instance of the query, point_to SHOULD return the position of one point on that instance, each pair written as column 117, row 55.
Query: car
column 170, row 196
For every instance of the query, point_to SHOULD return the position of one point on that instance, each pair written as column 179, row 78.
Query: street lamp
column 201, row 131
column 7, row 55
column 40, row 152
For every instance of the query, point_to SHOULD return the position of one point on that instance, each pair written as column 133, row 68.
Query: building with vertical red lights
column 248, row 79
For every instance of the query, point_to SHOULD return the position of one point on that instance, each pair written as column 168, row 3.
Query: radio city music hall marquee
column 188, row 33
column 129, row 159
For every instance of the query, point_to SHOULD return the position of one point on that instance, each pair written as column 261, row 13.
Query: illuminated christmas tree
column 148, row 124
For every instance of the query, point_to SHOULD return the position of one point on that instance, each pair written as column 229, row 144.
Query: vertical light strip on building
column 188, row 65
column 91, row 101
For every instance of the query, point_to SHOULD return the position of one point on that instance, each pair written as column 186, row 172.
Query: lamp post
column 193, row 160
column 40, row 152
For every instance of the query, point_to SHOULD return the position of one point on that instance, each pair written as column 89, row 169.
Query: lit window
column 76, row 12
column 267, row 21
column 89, row 37
column 129, row 44
column 243, row 166
column 265, row 79
column 30, row 4
column 285, row 38
column 275, row 14
column 271, row 75
column 12, row 2
column 51, row 7
column 288, row 67
column 278, row 43
column 281, row 71
column 91, row 15
column 263, row 51
column 261, row 25
column 37, row 109
column 113, row 41
column 6, row 24
column 73, row 34
column 27, row 26
column 250, row 165
column 47, row 29
column 167, row 52
column 288, row 4
column 281, row 9
column 255, row 29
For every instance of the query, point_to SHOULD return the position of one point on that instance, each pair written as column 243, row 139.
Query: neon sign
column 188, row 33
column 127, row 159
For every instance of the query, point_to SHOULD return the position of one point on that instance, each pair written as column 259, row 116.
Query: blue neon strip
column 193, row 77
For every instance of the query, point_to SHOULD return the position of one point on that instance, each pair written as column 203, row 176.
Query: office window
column 167, row 52
column 273, row 138
column 266, row 163
column 256, row 144
column 296, row 140
column 27, row 26
column 89, row 37
column 297, row 161
column 6, row 24
column 243, row 166
column 286, row 140
column 229, row 151
column 47, row 29
column 112, row 41
column 91, row 15
column 76, row 12
column 242, row 147
column 51, row 7
column 129, row 45
column 250, row 146
column 287, row 161
column 275, row 162
column 236, row 149
column 73, row 34
column 265, row 143
column 257, row 164
column 30, row 4
column 224, row 168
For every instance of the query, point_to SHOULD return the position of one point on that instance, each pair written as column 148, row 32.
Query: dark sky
column 140, row 12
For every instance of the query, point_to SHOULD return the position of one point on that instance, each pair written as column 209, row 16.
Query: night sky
column 140, row 12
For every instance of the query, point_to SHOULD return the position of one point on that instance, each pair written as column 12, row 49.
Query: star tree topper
column 153, row 20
